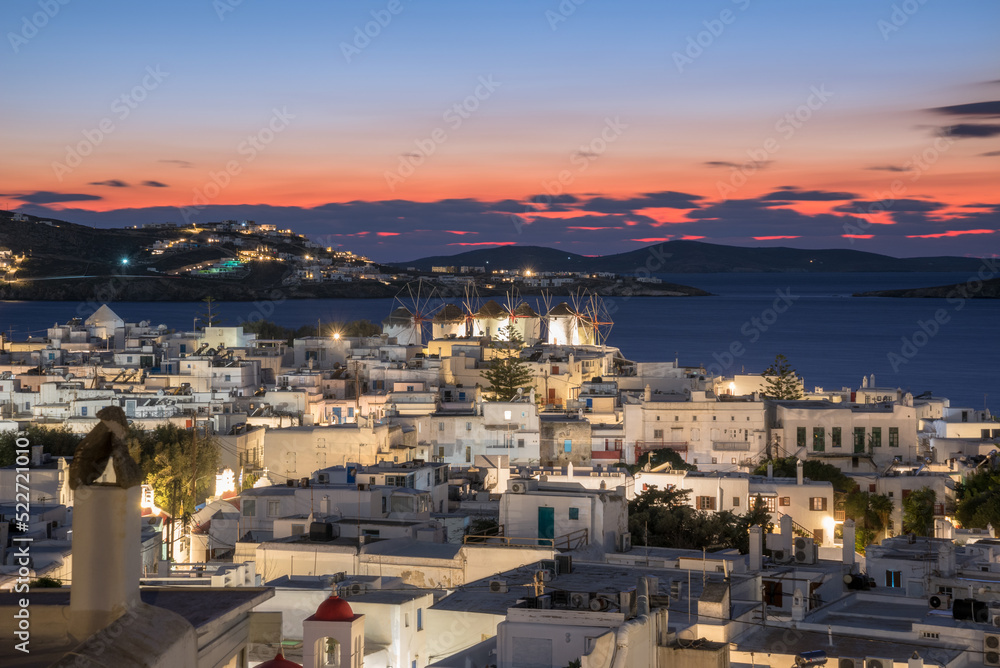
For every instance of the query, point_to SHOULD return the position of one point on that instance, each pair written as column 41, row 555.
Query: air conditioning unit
column 550, row 565
column 804, row 551
column 624, row 542
column 779, row 556
column 991, row 649
column 323, row 478
column 851, row 663
column 351, row 589
column 498, row 586
column 579, row 600
column 996, row 620
column 518, row 488
column 873, row 662
column 599, row 604
column 940, row 601
column 545, row 575
column 675, row 588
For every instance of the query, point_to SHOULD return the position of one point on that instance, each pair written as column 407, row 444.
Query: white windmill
column 413, row 312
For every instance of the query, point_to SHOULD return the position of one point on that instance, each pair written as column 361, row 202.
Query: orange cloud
column 460, row 232
column 949, row 233
column 651, row 240
column 858, row 236
column 388, row 234
column 772, row 238
column 691, row 237
column 592, row 229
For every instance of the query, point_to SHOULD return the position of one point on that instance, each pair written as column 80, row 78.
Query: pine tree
column 781, row 381
column 507, row 372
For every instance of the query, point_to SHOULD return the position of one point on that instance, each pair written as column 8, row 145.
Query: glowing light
column 124, row 260
column 336, row 336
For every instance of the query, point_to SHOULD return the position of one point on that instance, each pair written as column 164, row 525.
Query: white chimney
column 756, row 549
column 770, row 470
column 798, row 472
column 648, row 394
column 786, row 533
column 107, row 557
column 915, row 661
column 849, row 547
column 36, row 454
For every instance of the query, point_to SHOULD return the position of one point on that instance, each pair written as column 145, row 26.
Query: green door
column 546, row 525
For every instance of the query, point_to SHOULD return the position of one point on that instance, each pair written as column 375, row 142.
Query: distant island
column 696, row 257
column 972, row 289
column 54, row 260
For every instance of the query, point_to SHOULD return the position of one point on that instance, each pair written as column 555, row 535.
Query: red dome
column 279, row 662
column 334, row 609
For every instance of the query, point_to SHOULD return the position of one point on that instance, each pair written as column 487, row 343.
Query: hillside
column 696, row 257
column 989, row 289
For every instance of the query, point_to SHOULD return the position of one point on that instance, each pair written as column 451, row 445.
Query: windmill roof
column 491, row 310
column 561, row 309
column 449, row 313
column 103, row 314
column 399, row 316
column 524, row 310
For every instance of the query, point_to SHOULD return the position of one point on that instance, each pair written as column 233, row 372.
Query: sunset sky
column 590, row 125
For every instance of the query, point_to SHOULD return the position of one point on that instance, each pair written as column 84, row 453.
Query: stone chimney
column 756, row 548
column 107, row 561
column 849, row 547
column 648, row 393
column 798, row 472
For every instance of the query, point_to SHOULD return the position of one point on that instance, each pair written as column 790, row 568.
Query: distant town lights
column 124, row 260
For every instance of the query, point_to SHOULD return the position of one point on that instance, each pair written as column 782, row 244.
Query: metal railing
column 571, row 541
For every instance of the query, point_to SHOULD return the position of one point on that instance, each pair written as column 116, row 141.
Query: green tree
column 918, row 512
column 781, row 381
column 814, row 470
column 45, row 582
column 870, row 513
column 978, row 500
column 210, row 316
column 663, row 518
column 180, row 469
column 507, row 372
column 59, row 442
